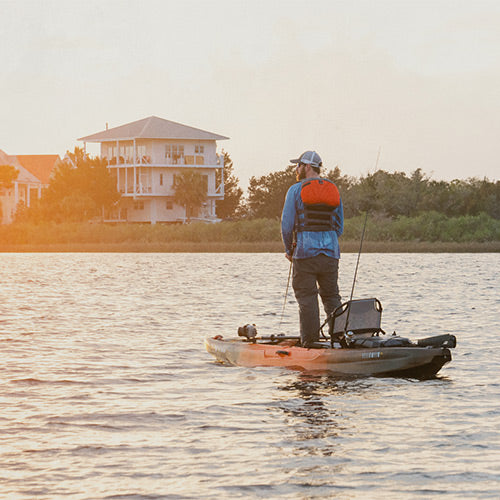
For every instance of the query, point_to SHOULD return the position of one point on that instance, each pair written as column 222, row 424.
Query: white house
column 144, row 156
column 34, row 172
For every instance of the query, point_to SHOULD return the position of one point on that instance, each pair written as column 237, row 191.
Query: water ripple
column 107, row 392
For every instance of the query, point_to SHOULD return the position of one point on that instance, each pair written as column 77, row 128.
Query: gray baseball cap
column 310, row 157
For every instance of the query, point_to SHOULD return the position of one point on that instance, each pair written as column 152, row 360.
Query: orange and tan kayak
column 414, row 361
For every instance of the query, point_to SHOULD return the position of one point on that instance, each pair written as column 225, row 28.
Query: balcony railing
column 144, row 190
column 140, row 160
column 184, row 161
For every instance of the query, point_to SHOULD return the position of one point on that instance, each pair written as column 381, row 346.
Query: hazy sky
column 417, row 80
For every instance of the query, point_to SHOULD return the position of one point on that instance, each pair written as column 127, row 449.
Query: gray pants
column 311, row 276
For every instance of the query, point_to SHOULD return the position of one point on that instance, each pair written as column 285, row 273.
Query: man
column 311, row 223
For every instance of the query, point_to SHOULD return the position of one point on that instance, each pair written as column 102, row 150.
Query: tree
column 190, row 191
column 81, row 188
column 386, row 194
column 8, row 174
column 267, row 193
column 230, row 205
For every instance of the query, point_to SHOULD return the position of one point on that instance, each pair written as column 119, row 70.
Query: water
column 107, row 392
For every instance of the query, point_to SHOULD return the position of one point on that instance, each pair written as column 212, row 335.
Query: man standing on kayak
column 311, row 223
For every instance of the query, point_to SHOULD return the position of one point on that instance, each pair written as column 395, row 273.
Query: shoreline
column 249, row 247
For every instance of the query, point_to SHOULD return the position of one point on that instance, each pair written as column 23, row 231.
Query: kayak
column 355, row 347
column 412, row 362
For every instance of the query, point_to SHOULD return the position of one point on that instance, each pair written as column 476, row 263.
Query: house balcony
column 144, row 190
column 147, row 161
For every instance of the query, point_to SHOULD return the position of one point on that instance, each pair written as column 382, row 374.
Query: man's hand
column 289, row 257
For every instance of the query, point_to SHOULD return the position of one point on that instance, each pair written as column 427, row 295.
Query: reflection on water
column 311, row 406
column 107, row 392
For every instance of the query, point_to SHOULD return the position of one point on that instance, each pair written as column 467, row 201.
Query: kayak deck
column 413, row 362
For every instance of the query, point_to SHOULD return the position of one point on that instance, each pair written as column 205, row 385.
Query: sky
column 396, row 85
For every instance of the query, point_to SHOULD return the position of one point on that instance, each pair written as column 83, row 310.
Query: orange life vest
column 320, row 197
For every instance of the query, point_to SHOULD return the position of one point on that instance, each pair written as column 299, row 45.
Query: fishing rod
column 355, row 276
column 357, row 262
column 353, row 282
column 286, row 293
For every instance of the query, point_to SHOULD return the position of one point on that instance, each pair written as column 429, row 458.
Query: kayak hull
column 413, row 362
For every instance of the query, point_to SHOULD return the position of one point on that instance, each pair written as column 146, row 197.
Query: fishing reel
column 248, row 331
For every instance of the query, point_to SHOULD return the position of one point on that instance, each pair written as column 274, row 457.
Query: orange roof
column 40, row 166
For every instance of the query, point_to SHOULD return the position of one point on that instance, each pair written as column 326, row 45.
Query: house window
column 169, row 205
column 205, row 182
column 173, row 180
column 161, row 179
column 199, row 159
column 138, row 205
column 174, row 153
column 129, row 154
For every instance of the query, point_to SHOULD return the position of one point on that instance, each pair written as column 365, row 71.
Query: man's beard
column 300, row 175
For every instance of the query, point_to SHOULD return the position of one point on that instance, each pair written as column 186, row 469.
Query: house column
column 135, row 161
column 152, row 213
column 28, row 194
column 16, row 193
column 221, row 163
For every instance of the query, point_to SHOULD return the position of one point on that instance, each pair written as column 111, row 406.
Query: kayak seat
column 362, row 317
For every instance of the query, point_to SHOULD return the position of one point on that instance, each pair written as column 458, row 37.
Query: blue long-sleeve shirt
column 309, row 243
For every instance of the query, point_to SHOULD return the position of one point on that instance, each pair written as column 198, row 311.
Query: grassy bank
column 427, row 233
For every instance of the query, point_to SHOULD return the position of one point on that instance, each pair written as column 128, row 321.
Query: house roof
column 24, row 175
column 152, row 128
column 40, row 166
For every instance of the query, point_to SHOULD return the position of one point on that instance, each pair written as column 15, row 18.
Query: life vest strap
column 316, row 218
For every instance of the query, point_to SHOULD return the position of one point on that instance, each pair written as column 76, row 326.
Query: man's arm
column 288, row 221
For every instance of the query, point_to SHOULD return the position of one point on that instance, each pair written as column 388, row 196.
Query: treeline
column 383, row 194
column 82, row 189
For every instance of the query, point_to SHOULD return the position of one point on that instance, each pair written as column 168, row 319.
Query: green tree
column 81, row 188
column 267, row 193
column 230, row 206
column 386, row 194
column 190, row 191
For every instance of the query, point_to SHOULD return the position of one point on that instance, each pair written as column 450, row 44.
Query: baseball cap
column 310, row 157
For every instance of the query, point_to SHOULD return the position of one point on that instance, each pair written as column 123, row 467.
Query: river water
column 107, row 392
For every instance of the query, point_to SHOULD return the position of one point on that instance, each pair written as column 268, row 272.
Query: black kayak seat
column 362, row 317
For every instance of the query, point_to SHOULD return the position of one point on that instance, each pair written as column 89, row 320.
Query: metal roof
column 152, row 128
